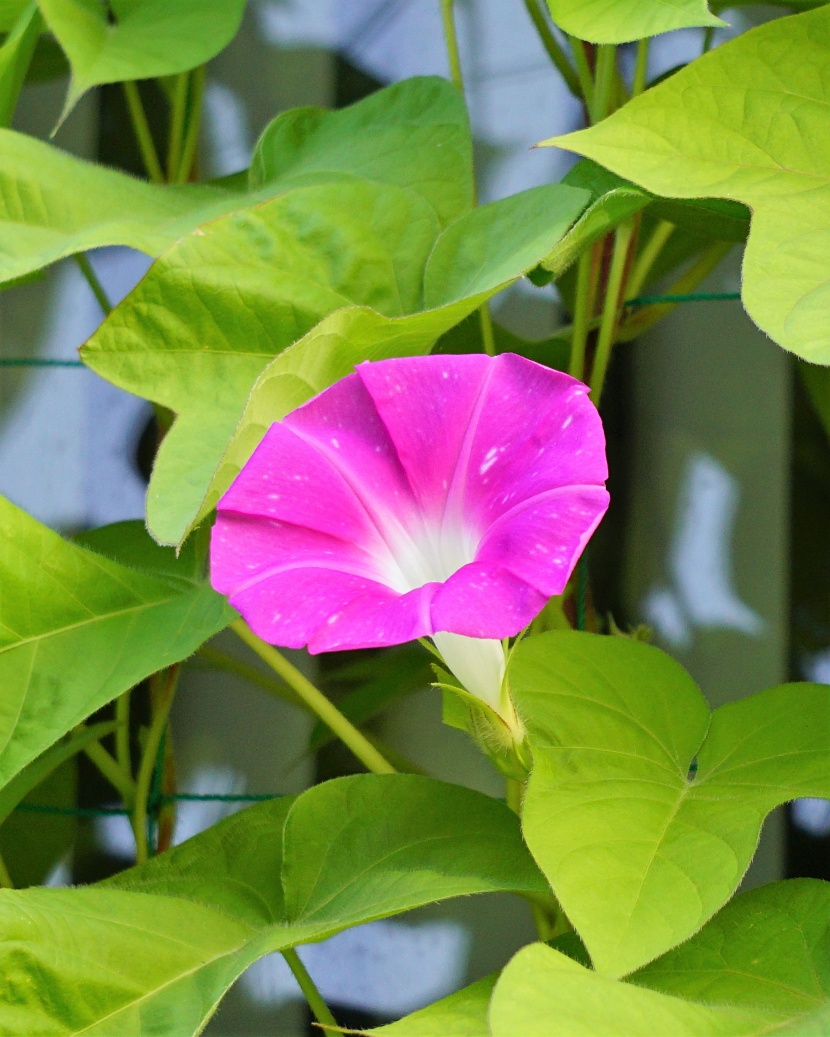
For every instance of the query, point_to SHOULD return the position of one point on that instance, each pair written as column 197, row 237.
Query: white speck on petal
column 567, row 421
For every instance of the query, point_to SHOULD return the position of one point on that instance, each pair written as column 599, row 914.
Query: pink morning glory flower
column 441, row 496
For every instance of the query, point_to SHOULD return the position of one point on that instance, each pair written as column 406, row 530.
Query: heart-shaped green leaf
column 153, row 950
column 620, row 21
column 212, row 312
column 760, row 966
column 413, row 134
column 611, row 805
column 541, row 992
column 54, row 205
column 748, row 121
column 768, row 949
column 463, row 1014
column 77, row 629
column 148, row 38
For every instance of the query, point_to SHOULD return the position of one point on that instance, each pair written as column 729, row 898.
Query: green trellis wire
column 158, row 801
column 155, row 806
column 640, row 300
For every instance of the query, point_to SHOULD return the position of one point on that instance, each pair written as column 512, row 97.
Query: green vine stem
column 604, row 82
column 345, row 730
column 638, row 83
column 488, row 337
column 582, row 316
column 178, row 116
column 647, row 257
column 451, row 40
column 5, row 878
column 120, row 779
column 141, row 127
column 122, row 733
column 194, row 124
column 611, row 308
column 315, row 1002
column 554, row 51
column 95, row 285
column 165, row 682
column 583, row 70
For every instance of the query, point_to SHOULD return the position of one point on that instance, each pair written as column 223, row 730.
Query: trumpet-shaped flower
column 440, row 496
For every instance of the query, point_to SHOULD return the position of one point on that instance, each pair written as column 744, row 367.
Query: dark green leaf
column 77, row 629
column 163, row 942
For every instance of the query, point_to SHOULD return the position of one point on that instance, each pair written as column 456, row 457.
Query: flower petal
column 541, row 540
column 426, row 404
column 245, row 549
column 536, row 430
column 485, row 601
column 289, row 607
column 344, row 425
column 290, row 480
column 477, row 662
column 374, row 620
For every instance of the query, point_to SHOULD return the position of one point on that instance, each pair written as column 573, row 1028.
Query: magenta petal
column 540, row 541
column 373, row 621
column 427, row 405
column 537, row 431
column 418, row 495
column 485, row 601
column 246, row 548
column 289, row 607
column 288, row 479
column 343, row 424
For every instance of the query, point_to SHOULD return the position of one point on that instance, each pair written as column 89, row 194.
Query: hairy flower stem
column 315, row 1002
column 143, row 135
column 168, row 679
column 359, row 744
